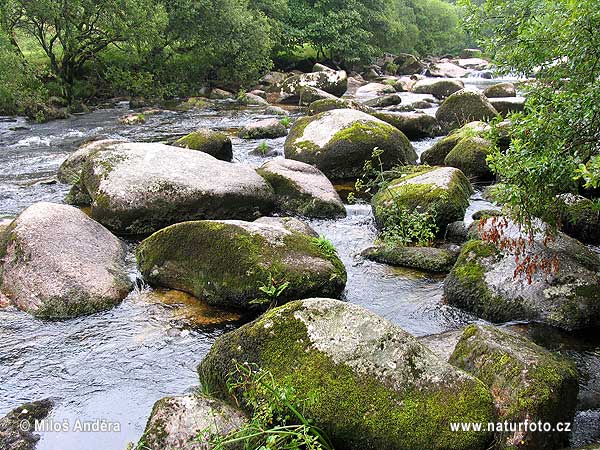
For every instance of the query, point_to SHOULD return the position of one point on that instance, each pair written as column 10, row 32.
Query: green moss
column 356, row 411
column 423, row 258
column 327, row 104
column 470, row 156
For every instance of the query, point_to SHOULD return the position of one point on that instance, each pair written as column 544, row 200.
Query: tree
column 556, row 142
column 73, row 32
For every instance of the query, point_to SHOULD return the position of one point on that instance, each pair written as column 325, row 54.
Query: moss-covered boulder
column 429, row 259
column 56, row 262
column 470, row 155
column 302, row 189
column 500, row 90
column 442, row 192
column 214, row 143
column 331, row 81
column 17, row 427
column 508, row 105
column 383, row 101
column 138, row 188
column 528, row 383
column 189, row 422
column 323, row 105
column 69, row 171
column 227, row 263
column 463, row 107
column 436, row 154
column 485, row 282
column 251, row 99
column 580, row 218
column 439, row 88
column 408, row 64
column 264, row 129
column 309, row 94
column 369, row 384
column 416, row 125
column 338, row 142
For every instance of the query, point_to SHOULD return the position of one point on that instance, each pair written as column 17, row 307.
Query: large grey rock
column 338, row 142
column 436, row 154
column 289, row 223
column 332, row 82
column 214, row 143
column 383, row 101
column 528, row 383
column 309, row 94
column 371, row 385
column 470, row 155
column 463, row 107
column 446, row 70
column 507, row 105
column 189, row 422
column 70, row 170
column 139, row 188
column 440, row 88
column 323, row 105
column 56, row 262
column 485, row 281
column 580, row 218
column 408, row 64
column 264, row 129
column 501, row 90
column 473, row 63
column 17, row 427
column 302, row 189
column 227, row 263
column 415, row 125
column 429, row 259
column 373, row 90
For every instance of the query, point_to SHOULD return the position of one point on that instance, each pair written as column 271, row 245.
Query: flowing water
column 114, row 365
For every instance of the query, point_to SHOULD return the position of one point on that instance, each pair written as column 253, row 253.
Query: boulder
column 371, row 385
column 264, row 129
column 189, row 422
column 446, row 70
column 324, row 105
column 302, row 189
column 470, row 155
column 429, row 259
column 338, row 142
column 501, row 90
column 276, row 111
column 56, row 262
column 485, row 281
column 456, row 232
column 440, row 88
column 69, row 171
column 332, row 82
column 442, row 192
column 372, row 90
column 507, row 105
column 408, row 64
column 289, row 223
column 473, row 63
column 383, row 101
column 416, row 125
column 580, row 218
column 138, row 188
column 463, row 107
column 528, row 383
column 220, row 94
column 435, row 155
column 214, row 143
column 17, row 427
column 309, row 94
column 273, row 78
column 318, row 67
column 227, row 263
column 251, row 99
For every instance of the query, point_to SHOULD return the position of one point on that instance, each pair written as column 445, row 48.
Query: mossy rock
column 429, row 259
column 338, row 143
column 413, row 125
column 470, row 155
column 309, row 94
column 528, row 383
column 439, row 88
column 330, row 81
column 442, row 192
column 383, row 101
column 463, row 107
column 302, row 189
column 190, row 422
column 227, row 262
column 264, row 129
column 485, row 282
column 328, row 104
column 214, row 143
column 508, row 105
column 501, row 90
column 435, row 155
column 408, row 64
column 580, row 218
column 369, row 385
column 69, row 171
column 13, row 435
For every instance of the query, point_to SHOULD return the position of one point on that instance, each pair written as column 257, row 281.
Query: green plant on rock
column 272, row 291
column 277, row 421
column 285, row 121
column 326, row 247
column 263, row 148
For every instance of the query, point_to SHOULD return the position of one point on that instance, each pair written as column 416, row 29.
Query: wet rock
column 227, row 262
column 338, row 142
column 446, row 70
column 435, row 155
column 309, row 94
column 57, row 263
column 264, row 129
column 470, row 155
column 527, row 382
column 501, row 90
column 220, row 94
column 251, row 99
column 442, row 192
column 440, row 88
column 463, row 107
column 580, row 218
column 367, row 379
column 483, row 282
column 456, row 232
column 139, row 188
column 302, row 189
column 133, row 119
column 429, row 259
column 408, row 64
column 332, row 82
column 289, row 223
column 507, row 105
column 14, row 434
column 69, row 171
column 414, row 125
column 382, row 102
column 214, row 143
column 189, row 422
column 276, row 110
